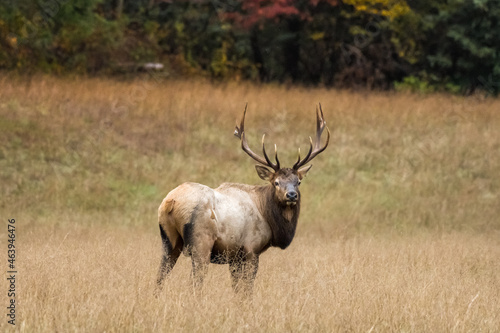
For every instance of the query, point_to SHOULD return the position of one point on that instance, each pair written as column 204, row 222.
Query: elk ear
column 264, row 173
column 303, row 171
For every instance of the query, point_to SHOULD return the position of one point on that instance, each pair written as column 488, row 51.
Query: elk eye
column 299, row 182
column 276, row 183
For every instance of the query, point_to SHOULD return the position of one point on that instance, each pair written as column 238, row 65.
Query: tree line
column 425, row 45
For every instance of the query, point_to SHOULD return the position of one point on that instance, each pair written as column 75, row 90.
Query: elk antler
column 240, row 133
column 313, row 151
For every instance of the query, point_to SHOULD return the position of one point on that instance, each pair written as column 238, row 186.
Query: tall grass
column 399, row 228
column 102, row 280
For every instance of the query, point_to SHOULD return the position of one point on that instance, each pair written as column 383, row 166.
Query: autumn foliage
column 382, row 44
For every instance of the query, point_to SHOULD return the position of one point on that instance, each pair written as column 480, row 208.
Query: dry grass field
column 399, row 229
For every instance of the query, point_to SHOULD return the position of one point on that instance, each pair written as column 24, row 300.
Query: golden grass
column 399, row 228
column 98, row 280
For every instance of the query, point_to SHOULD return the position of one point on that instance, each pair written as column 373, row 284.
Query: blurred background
column 107, row 105
column 408, row 45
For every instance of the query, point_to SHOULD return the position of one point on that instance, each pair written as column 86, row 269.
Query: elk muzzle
column 291, row 197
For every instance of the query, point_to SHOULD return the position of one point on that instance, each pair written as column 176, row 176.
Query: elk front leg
column 243, row 272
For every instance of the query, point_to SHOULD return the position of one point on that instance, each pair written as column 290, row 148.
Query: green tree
column 56, row 36
column 458, row 43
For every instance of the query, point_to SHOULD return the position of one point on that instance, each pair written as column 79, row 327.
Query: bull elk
column 235, row 223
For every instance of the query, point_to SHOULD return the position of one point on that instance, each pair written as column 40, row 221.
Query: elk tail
column 169, row 205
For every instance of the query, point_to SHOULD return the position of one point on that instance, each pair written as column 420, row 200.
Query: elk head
column 285, row 181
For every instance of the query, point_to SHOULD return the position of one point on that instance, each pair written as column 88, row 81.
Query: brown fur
column 235, row 223
column 189, row 223
column 281, row 218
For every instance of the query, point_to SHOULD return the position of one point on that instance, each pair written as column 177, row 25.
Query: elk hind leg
column 200, row 241
column 169, row 257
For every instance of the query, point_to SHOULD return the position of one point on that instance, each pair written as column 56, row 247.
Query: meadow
column 399, row 227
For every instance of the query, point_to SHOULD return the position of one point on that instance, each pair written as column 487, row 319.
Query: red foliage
column 332, row 3
column 258, row 11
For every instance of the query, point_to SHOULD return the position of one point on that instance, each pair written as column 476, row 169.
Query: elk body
column 234, row 223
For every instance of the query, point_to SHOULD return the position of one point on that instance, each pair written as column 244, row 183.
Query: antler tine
column 276, row 156
column 320, row 123
column 298, row 157
column 246, row 149
column 239, row 132
column 315, row 149
column 276, row 166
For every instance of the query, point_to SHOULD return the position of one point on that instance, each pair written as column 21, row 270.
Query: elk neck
column 281, row 218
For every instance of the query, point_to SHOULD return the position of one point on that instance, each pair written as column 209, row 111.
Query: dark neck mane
column 281, row 218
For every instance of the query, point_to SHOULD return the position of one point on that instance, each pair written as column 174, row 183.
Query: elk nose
column 292, row 196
